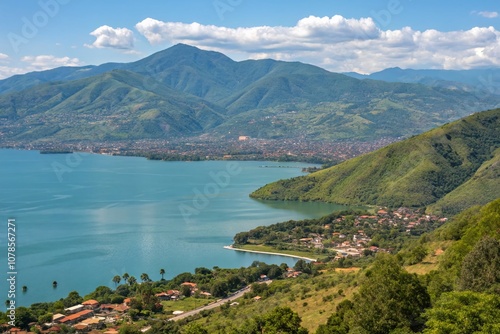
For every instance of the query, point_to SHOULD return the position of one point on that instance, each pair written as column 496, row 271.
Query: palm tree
column 162, row 272
column 117, row 279
column 132, row 280
column 125, row 277
column 144, row 277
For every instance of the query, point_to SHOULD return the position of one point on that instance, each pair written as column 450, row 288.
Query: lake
column 83, row 218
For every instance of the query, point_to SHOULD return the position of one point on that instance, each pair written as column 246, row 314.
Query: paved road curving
column 213, row 305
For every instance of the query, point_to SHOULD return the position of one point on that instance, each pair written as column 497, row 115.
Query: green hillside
column 478, row 189
column 114, row 105
column 416, row 172
column 185, row 91
column 453, row 287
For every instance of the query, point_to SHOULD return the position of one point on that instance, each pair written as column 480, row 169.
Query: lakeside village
column 93, row 317
column 357, row 244
column 347, row 236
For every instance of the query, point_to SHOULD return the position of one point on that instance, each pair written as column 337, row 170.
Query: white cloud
column 115, row 38
column 8, row 71
column 337, row 43
column 308, row 31
column 10, row 67
column 488, row 15
column 44, row 62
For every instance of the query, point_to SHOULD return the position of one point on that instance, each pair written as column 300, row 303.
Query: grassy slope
column 113, row 105
column 315, row 299
column 480, row 189
column 416, row 172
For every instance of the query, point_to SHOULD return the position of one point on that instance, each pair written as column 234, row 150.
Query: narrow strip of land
column 270, row 253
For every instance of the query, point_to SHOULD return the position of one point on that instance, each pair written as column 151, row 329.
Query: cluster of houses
column 91, row 317
column 356, row 242
column 175, row 294
column 87, row 317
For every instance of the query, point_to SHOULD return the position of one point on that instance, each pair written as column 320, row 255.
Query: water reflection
column 315, row 209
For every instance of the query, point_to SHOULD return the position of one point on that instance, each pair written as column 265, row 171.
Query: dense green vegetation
column 184, row 91
column 461, row 295
column 111, row 106
column 452, row 163
column 324, row 238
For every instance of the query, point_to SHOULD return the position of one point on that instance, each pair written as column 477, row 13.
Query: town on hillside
column 345, row 236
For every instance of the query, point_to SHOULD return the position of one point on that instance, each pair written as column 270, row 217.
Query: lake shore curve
column 270, row 253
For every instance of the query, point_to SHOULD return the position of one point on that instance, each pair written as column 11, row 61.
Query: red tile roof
column 90, row 302
column 75, row 316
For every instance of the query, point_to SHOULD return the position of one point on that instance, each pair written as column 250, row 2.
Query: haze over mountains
column 185, row 91
column 480, row 81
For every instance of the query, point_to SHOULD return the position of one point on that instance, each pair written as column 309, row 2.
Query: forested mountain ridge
column 449, row 163
column 258, row 98
column 114, row 105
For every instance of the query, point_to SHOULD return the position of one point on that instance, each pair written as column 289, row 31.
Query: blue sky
column 339, row 35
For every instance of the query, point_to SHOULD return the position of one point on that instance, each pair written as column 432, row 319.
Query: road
column 213, row 305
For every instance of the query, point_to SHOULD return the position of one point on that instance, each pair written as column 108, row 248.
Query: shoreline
column 270, row 253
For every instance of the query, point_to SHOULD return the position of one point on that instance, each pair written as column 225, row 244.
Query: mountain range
column 447, row 169
column 480, row 81
column 185, row 91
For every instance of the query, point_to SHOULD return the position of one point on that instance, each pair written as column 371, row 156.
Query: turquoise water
column 82, row 218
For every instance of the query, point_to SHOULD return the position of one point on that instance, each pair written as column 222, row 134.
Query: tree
column 132, row 280
column 161, row 327
column 303, row 266
column 125, row 277
column 123, row 290
column 117, row 280
column 129, row 329
column 72, row 299
column 195, row 329
column 336, row 323
column 282, row 320
column 45, row 318
column 145, row 277
column 389, row 298
column 481, row 267
column 101, row 293
column 463, row 312
column 417, row 254
column 162, row 272
column 275, row 272
column 219, row 289
column 24, row 317
column 185, row 290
